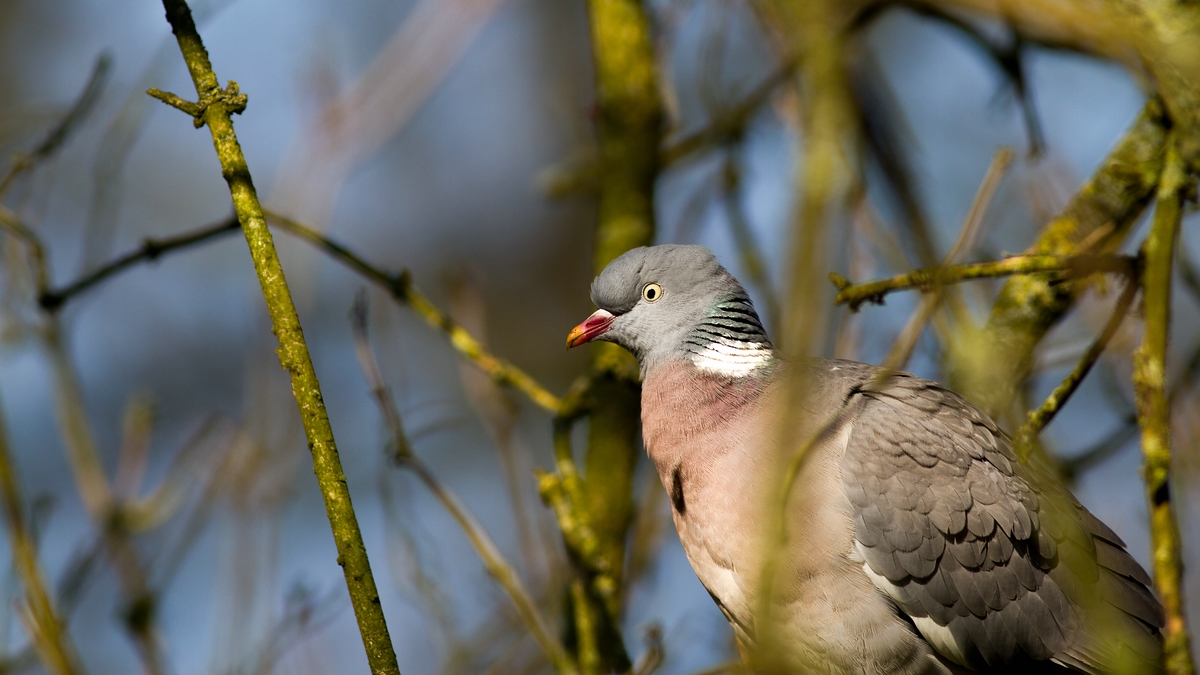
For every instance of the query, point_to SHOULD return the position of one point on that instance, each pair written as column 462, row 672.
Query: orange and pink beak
column 593, row 327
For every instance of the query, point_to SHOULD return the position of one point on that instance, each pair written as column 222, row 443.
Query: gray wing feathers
column 994, row 553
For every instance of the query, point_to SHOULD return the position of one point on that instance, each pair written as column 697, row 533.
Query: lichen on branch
column 214, row 109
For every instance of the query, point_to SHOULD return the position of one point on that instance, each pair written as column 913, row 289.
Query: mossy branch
column 1038, row 419
column 1057, row 269
column 629, row 134
column 1154, row 412
column 1096, row 221
column 214, row 109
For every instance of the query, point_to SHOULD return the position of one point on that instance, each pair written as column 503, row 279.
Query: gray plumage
column 916, row 541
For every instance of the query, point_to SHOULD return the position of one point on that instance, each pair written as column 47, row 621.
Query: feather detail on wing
column 994, row 561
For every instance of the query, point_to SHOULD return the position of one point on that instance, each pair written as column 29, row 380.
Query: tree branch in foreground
column 214, row 109
column 1096, row 221
column 1059, row 268
column 1038, row 419
column 1154, row 412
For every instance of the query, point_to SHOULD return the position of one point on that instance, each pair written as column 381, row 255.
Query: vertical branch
column 629, row 133
column 214, row 109
column 45, row 626
column 822, row 175
column 1154, row 412
column 629, row 125
column 813, row 32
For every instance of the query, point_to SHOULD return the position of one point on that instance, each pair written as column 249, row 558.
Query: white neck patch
column 732, row 358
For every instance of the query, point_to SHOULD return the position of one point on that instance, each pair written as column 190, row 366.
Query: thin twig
column 78, row 439
column 1071, row 266
column 150, row 250
column 493, row 560
column 1154, row 413
column 401, row 288
column 1038, row 419
column 902, row 350
column 62, row 131
column 214, row 109
column 728, row 125
column 12, row 223
column 46, row 628
column 91, row 481
column 655, row 653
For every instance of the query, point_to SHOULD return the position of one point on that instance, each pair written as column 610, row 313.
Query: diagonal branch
column 214, row 109
column 1096, row 221
column 150, row 250
column 902, row 349
column 401, row 288
column 1038, row 419
column 493, row 560
column 45, row 624
column 62, row 131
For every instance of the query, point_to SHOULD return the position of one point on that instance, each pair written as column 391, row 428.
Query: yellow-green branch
column 1096, row 221
column 1059, row 268
column 1038, row 419
column 401, row 288
column 214, row 109
column 1154, row 411
column 629, row 135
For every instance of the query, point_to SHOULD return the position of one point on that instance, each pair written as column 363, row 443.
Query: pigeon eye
column 652, row 292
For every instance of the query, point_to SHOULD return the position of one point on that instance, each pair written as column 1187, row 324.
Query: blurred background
column 452, row 139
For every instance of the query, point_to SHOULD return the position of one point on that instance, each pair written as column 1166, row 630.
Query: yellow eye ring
column 652, row 292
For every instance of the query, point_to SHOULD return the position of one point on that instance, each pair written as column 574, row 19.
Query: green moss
column 215, row 108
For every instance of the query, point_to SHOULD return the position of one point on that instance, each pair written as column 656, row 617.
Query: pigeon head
column 665, row 303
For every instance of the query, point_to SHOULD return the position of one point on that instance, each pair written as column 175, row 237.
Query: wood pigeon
column 915, row 541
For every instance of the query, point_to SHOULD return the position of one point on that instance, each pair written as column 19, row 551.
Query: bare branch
column 902, row 350
column 493, row 560
column 63, row 130
column 1058, row 268
column 150, row 250
column 400, row 287
column 1038, row 419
